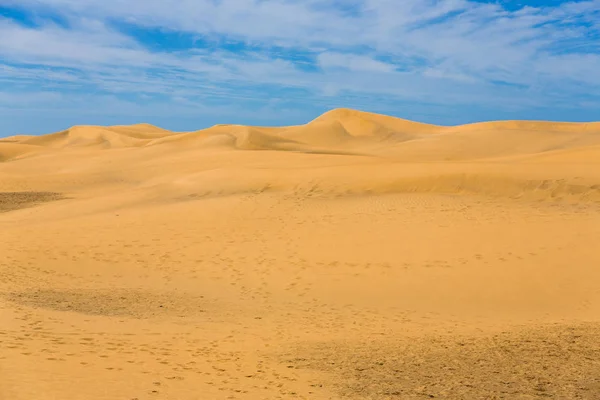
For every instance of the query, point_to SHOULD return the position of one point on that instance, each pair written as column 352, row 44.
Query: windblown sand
column 358, row 256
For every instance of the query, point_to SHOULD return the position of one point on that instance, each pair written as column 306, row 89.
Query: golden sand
column 359, row 256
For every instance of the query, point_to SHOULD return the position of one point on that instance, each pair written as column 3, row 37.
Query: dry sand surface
column 358, row 256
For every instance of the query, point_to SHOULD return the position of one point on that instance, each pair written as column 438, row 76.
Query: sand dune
column 360, row 123
column 15, row 149
column 355, row 256
column 338, row 129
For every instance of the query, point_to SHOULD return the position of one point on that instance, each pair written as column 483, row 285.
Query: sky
column 190, row 64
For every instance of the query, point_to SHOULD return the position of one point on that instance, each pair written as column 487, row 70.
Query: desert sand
column 359, row 256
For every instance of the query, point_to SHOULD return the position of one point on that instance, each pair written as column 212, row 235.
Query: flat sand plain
column 358, row 256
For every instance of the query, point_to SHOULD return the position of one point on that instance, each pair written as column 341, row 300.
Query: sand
column 358, row 256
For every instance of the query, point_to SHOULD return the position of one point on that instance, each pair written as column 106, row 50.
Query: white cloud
column 352, row 62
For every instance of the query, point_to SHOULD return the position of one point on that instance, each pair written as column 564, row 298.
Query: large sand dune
column 356, row 256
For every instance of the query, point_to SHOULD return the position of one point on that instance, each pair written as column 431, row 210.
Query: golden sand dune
column 107, row 137
column 360, row 123
column 14, row 149
column 357, row 256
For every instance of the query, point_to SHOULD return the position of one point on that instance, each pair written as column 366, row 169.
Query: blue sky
column 189, row 64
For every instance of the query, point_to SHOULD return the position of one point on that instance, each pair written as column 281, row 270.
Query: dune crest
column 396, row 155
column 360, row 123
column 341, row 129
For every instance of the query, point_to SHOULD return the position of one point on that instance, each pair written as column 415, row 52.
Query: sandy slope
column 357, row 256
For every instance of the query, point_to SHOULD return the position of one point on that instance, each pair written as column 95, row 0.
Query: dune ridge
column 399, row 155
column 334, row 129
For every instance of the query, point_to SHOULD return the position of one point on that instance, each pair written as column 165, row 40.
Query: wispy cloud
column 476, row 59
